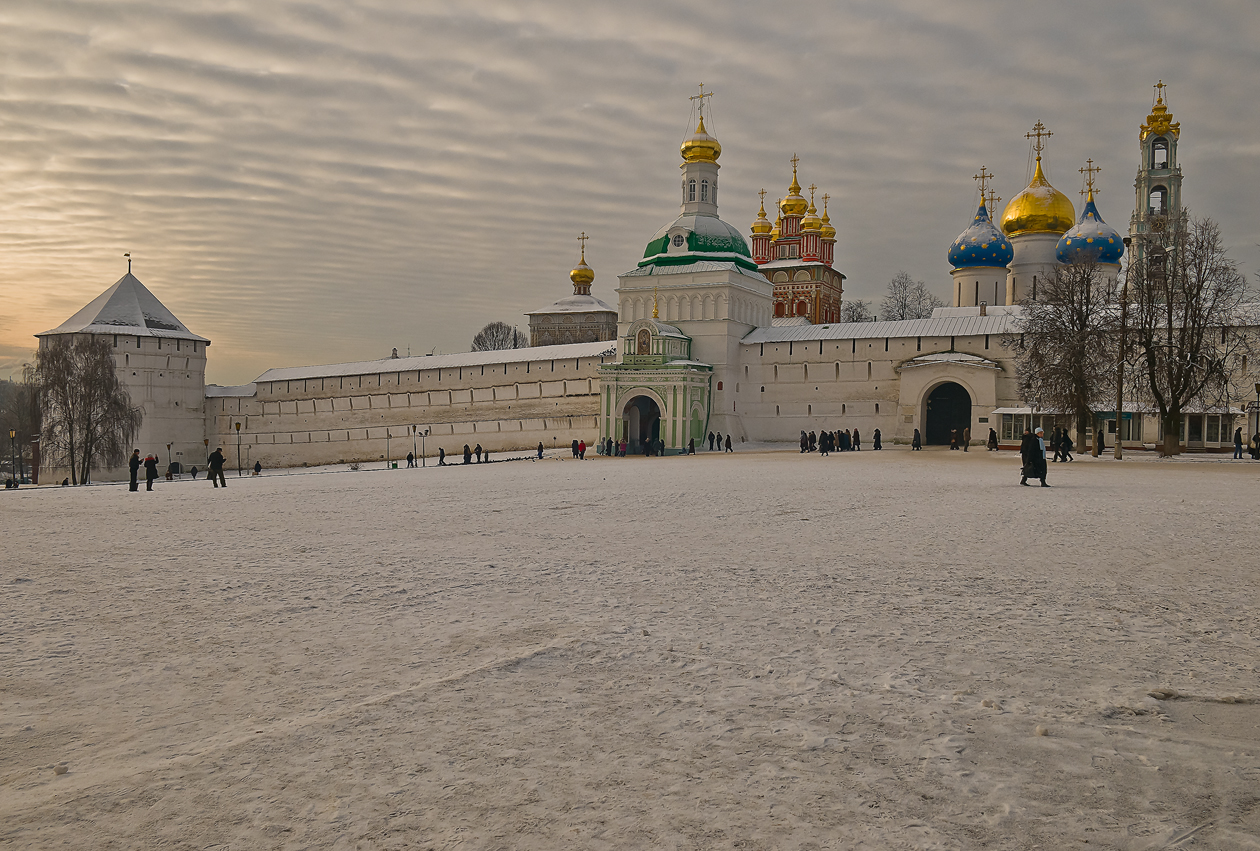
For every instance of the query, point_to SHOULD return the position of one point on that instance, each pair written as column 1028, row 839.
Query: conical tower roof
column 126, row 308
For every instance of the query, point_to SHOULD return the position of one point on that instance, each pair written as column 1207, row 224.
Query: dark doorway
column 948, row 407
column 642, row 421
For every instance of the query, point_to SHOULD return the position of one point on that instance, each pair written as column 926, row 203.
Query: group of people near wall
column 837, row 441
column 214, row 463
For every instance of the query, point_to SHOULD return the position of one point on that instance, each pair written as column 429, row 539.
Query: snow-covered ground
column 763, row 650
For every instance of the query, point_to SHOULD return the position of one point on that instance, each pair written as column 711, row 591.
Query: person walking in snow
column 215, row 463
column 411, row 459
column 257, row 468
column 857, row 441
column 150, row 472
column 992, row 445
column 540, row 450
column 916, row 443
column 134, row 464
column 467, row 454
column 879, row 440
column 477, row 451
column 1032, row 450
column 442, row 455
column 728, row 443
column 1238, row 442
column 581, row 450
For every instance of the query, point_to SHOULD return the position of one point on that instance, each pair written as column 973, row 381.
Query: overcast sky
column 320, row 181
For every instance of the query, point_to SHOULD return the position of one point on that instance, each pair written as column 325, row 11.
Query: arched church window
column 691, row 190
column 704, row 190
column 645, row 342
column 1158, row 202
column 1159, row 154
column 778, row 308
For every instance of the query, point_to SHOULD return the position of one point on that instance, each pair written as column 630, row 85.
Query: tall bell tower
column 1158, row 214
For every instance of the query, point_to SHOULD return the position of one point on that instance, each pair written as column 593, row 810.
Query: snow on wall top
column 502, row 356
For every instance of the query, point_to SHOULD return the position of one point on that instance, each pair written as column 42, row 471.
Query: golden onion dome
column 794, row 204
column 1038, row 209
column 828, row 232
column 762, row 224
column 701, row 148
column 811, row 222
column 582, row 275
column 778, row 223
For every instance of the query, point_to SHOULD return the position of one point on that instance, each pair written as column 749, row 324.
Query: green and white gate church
column 698, row 269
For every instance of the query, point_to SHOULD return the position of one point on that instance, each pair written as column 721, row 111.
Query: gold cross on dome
column 700, row 97
column 1159, row 91
column 826, row 198
column 1039, row 132
column 993, row 199
column 1089, row 171
column 795, row 159
column 983, row 179
column 762, row 193
column 812, row 190
column 582, row 239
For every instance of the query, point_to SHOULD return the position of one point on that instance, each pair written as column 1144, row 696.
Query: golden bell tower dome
column 1040, row 208
column 794, row 204
column 701, row 147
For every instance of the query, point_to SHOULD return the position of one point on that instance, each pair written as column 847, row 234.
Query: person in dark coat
column 917, row 441
column 966, row 443
column 953, row 438
column 992, row 444
column 134, row 464
column 467, row 454
column 728, row 443
column 1238, row 442
column 879, row 440
column 1065, row 445
column 1255, row 447
column 710, row 441
column 477, row 451
column 813, row 441
column 150, row 472
column 691, row 446
column 574, row 448
column 215, row 463
column 1032, row 450
column 442, row 455
column 411, row 459
column 540, row 450
column 258, row 468
column 719, row 441
column 857, row 441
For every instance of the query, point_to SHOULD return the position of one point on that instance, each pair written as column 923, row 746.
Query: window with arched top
column 1159, row 154
column 644, row 346
column 691, row 190
column 1158, row 204
column 704, row 190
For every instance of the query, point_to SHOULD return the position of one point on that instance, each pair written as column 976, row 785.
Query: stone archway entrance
column 641, row 419
column 948, row 407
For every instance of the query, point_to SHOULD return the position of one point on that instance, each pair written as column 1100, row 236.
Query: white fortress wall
column 505, row 400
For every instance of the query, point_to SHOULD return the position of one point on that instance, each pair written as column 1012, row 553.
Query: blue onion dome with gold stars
column 1091, row 239
column 982, row 244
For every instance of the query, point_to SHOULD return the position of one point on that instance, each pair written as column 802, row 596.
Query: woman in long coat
column 917, row 442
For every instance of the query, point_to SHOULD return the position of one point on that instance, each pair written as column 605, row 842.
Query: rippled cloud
column 321, row 181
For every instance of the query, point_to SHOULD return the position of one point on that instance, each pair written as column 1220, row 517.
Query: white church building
column 698, row 350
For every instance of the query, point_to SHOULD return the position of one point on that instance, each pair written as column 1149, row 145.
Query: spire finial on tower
column 1089, row 171
column 582, row 239
column 1039, row 132
column 993, row 199
column 128, row 256
column 700, row 97
column 812, row 190
column 656, row 314
column 1159, row 93
column 983, row 179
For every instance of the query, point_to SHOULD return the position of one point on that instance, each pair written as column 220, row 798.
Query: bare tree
column 88, row 418
column 18, row 413
column 1186, row 299
column 1065, row 348
column 856, row 310
column 908, row 299
column 498, row 335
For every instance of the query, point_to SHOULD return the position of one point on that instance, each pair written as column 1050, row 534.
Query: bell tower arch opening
column 641, row 422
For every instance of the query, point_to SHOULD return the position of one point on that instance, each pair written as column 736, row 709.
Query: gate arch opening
column 641, row 421
column 948, row 407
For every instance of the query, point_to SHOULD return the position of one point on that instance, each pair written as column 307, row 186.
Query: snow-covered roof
column 956, row 358
column 230, row 391
column 938, row 326
column 575, row 304
column 500, row 356
column 797, row 263
column 698, row 266
column 126, row 308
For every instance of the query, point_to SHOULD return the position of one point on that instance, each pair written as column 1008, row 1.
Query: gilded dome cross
column 993, row 199
column 1039, row 132
column 983, row 179
column 1089, row 171
column 700, row 97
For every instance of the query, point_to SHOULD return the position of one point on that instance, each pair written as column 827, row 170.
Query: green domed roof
column 705, row 238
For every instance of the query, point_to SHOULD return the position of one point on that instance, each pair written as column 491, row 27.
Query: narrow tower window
column 691, row 190
column 704, row 190
column 1159, row 154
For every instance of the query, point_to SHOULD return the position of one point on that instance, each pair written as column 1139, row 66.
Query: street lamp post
column 168, row 456
column 238, row 450
column 1257, row 431
column 1124, row 323
column 413, row 440
column 387, row 449
column 423, row 435
column 13, row 457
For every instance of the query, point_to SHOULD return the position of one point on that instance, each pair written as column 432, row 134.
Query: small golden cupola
column 1040, row 208
column 811, row 222
column 701, row 147
column 778, row 221
column 794, row 204
column 582, row 275
column 761, row 224
column 828, row 232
